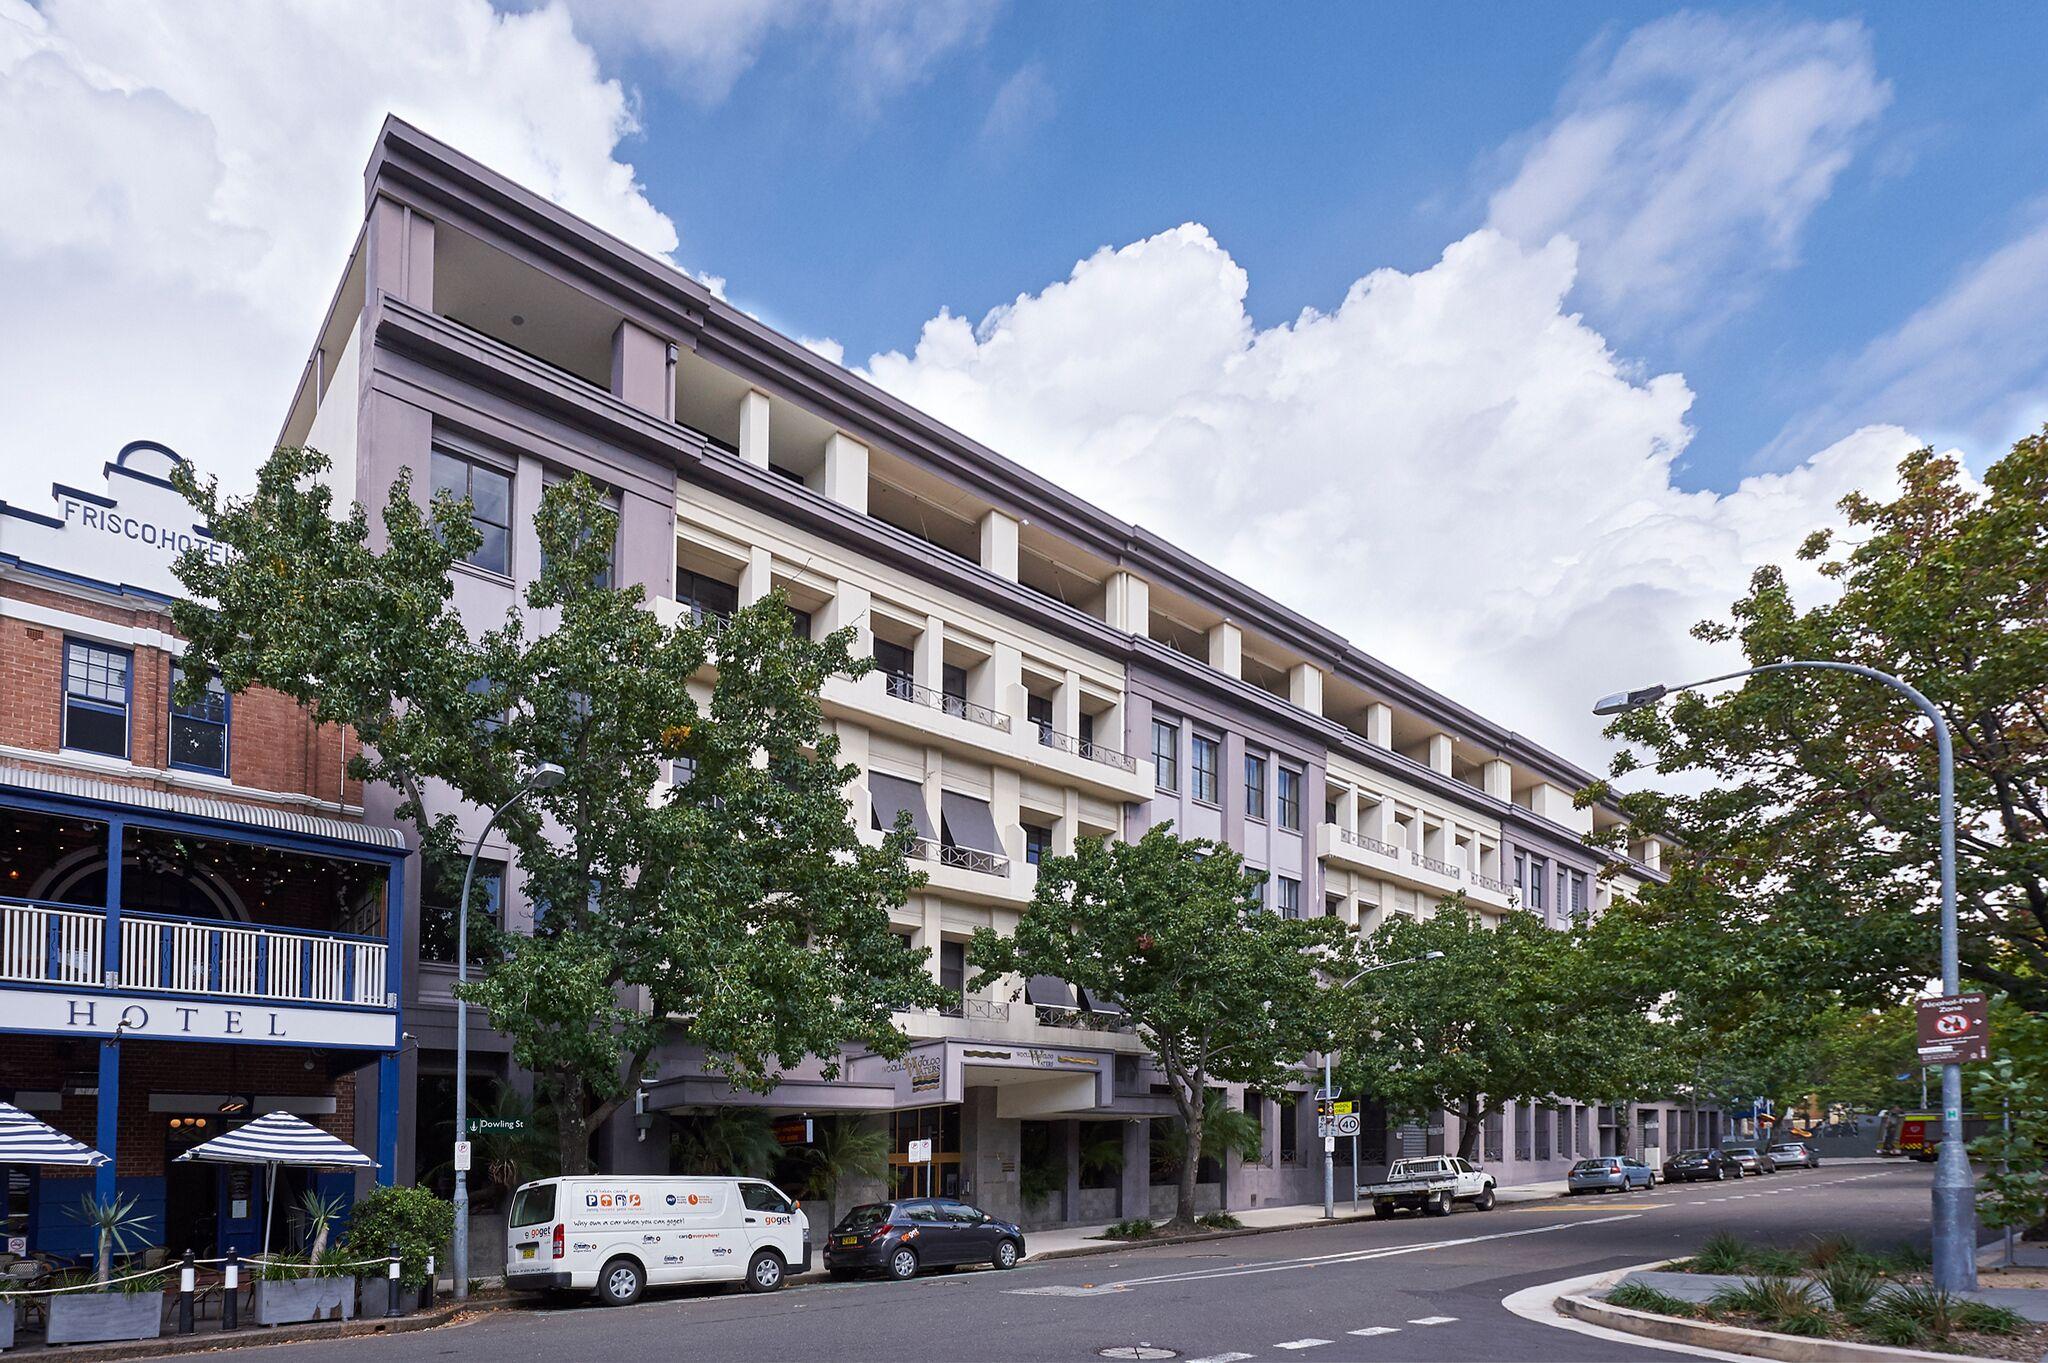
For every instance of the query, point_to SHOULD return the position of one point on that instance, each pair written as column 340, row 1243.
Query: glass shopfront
column 941, row 1176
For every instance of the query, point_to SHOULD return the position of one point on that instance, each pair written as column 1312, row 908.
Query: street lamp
column 1955, row 1189
column 1330, row 1089
column 546, row 776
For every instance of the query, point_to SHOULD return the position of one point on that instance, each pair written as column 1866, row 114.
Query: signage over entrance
column 1954, row 1029
column 195, row 1018
column 126, row 537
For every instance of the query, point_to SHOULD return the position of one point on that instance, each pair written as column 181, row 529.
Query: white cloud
column 182, row 184
column 880, row 46
column 1448, row 467
column 1022, row 103
column 1687, row 161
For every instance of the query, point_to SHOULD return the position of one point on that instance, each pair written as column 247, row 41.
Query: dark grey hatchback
column 898, row 1239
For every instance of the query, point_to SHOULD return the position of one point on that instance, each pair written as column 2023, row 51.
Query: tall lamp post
column 1955, row 1188
column 1330, row 1088
column 546, row 776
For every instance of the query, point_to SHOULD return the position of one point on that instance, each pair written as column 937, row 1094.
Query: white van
column 617, row 1236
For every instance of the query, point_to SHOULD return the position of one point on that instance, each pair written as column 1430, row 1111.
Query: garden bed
column 1833, row 1289
column 1140, row 1229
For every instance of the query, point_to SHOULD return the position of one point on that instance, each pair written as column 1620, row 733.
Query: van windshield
column 533, row 1205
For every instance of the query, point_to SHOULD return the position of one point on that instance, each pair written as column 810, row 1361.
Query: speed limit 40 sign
column 1953, row 1029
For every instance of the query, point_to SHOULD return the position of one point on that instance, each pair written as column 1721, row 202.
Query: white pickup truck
column 1431, row 1186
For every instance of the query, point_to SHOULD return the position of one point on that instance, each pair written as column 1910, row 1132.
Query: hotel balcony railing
column 903, row 688
column 43, row 943
column 964, row 858
column 1084, row 748
column 1078, row 1019
column 1385, row 849
column 1486, row 882
column 975, row 1010
column 1442, row 868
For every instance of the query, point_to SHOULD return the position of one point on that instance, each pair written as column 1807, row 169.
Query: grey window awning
column 892, row 795
column 1097, row 1002
column 968, row 822
column 1049, row 991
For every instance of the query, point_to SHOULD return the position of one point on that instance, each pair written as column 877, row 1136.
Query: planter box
column 7, row 1324
column 377, row 1296
column 286, row 1302
column 101, row 1317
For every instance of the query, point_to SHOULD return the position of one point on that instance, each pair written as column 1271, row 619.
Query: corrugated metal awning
column 381, row 838
column 892, row 795
column 969, row 822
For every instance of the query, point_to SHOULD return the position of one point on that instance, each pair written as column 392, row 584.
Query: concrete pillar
column 1070, row 1134
column 1498, row 779
column 1134, row 1183
column 758, row 576
column 1226, row 649
column 1066, row 706
column 846, row 472
column 1065, row 836
column 1347, row 810
column 1653, row 854
column 1440, row 754
column 999, row 544
column 928, row 658
column 754, row 428
column 849, row 608
column 1001, row 687
column 1305, row 687
column 400, row 255
column 640, row 374
column 1379, row 725
column 1127, row 603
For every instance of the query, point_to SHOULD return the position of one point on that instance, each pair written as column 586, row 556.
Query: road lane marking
column 1221, row 1358
column 1432, row 1320
column 1372, row 1330
column 1304, row 1343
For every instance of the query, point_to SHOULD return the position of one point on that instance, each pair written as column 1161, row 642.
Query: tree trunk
column 1471, row 1121
column 1190, row 1166
column 573, row 1126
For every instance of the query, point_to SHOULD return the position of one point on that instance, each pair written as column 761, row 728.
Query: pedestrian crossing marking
column 1371, row 1330
column 1221, row 1358
column 1432, row 1320
column 1304, row 1343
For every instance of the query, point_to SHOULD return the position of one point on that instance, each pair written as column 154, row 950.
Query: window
column 895, row 663
column 488, row 491
column 1574, row 901
column 800, row 623
column 1258, row 886
column 1254, row 787
column 1166, row 755
column 682, row 771
column 953, row 684
column 1037, row 843
column 439, row 926
column 1255, row 1108
column 707, row 599
column 96, row 685
column 199, row 732
column 609, row 501
column 953, row 966
column 1288, row 789
column 495, row 720
column 759, row 1197
column 1290, row 1129
column 1038, row 709
column 1204, row 770
column 1531, row 875
column 1290, row 897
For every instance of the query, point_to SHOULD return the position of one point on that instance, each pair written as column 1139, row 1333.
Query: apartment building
column 197, row 926
column 1046, row 672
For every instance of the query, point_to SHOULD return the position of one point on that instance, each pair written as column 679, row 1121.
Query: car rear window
column 865, row 1217
column 532, row 1206
column 1785, row 1149
column 1593, row 1166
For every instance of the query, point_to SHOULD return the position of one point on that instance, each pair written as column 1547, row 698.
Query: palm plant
column 1225, row 1127
column 116, row 1225
column 1103, row 1155
column 846, row 1149
column 725, row 1141
column 320, row 1214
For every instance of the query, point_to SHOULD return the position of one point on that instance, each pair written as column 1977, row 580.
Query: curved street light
column 1329, row 1094
column 1955, row 1188
column 546, row 776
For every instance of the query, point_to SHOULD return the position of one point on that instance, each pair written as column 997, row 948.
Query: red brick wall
column 273, row 744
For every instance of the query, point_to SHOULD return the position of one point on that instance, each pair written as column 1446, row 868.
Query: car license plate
column 526, row 1251
column 849, row 1239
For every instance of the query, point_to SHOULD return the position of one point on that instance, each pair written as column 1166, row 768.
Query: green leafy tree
column 1821, row 816
column 1170, row 928
column 2012, row 1089
column 1513, row 1012
column 736, row 905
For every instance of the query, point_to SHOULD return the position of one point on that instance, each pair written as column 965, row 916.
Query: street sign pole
column 1329, row 1149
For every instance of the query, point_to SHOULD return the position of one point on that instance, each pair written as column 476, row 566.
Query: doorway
column 191, row 1191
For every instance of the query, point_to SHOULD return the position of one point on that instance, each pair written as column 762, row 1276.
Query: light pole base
column 1955, row 1221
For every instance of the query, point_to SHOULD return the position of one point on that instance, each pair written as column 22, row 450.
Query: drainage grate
column 1136, row 1351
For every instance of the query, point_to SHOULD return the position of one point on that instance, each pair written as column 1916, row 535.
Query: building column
column 640, row 372
column 1066, row 706
column 1379, row 725
column 849, row 608
column 1498, row 779
column 846, row 472
column 999, row 544
column 110, row 938
column 758, row 577
column 1305, row 687
column 387, row 1119
column 1226, row 649
column 1440, row 754
column 1071, row 1211
column 1134, row 1181
column 1127, row 603
column 107, row 1134
column 928, row 657
column 400, row 254
column 754, row 428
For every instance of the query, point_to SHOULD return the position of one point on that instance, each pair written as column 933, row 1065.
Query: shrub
column 1219, row 1221
column 1906, row 1259
column 1773, row 1262
column 1137, row 1228
column 1784, row 1304
column 1923, row 1312
column 1642, row 1297
column 1828, row 1250
column 412, row 1218
column 1851, row 1284
column 1722, row 1253
column 1982, row 1318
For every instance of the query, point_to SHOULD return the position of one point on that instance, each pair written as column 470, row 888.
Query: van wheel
column 1006, row 1254
column 764, row 1274
column 621, row 1283
column 903, row 1263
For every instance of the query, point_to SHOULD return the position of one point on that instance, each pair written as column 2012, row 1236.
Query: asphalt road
column 1406, row 1289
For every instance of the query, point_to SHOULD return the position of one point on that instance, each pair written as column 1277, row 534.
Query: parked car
column 1790, row 1153
column 615, row 1235
column 900, row 1239
column 1432, row 1185
column 1753, row 1159
column 1609, row 1174
column 1690, row 1166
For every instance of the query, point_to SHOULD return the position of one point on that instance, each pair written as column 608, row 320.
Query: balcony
column 903, row 688
column 961, row 858
column 57, row 944
column 1440, row 867
column 1085, row 749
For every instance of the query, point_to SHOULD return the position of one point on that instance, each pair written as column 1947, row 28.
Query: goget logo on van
column 610, row 1199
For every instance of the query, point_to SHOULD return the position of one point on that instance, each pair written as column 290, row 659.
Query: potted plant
column 136, row 1311
column 411, row 1218
column 291, row 1289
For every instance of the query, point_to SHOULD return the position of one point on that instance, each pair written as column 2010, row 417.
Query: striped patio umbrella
column 27, row 1140
column 273, row 1139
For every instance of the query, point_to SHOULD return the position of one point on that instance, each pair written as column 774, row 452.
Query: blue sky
column 1508, row 340
column 1316, row 143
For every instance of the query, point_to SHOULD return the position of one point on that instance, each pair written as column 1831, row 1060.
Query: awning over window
column 892, row 795
column 1096, row 1002
column 1049, row 991
column 968, row 822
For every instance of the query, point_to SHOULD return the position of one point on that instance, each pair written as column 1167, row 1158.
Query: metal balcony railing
column 965, row 858
column 1084, row 748
column 903, row 688
column 1442, row 868
column 1385, row 849
column 43, row 943
column 1486, row 882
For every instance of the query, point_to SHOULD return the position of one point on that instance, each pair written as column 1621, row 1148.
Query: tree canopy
column 695, row 870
